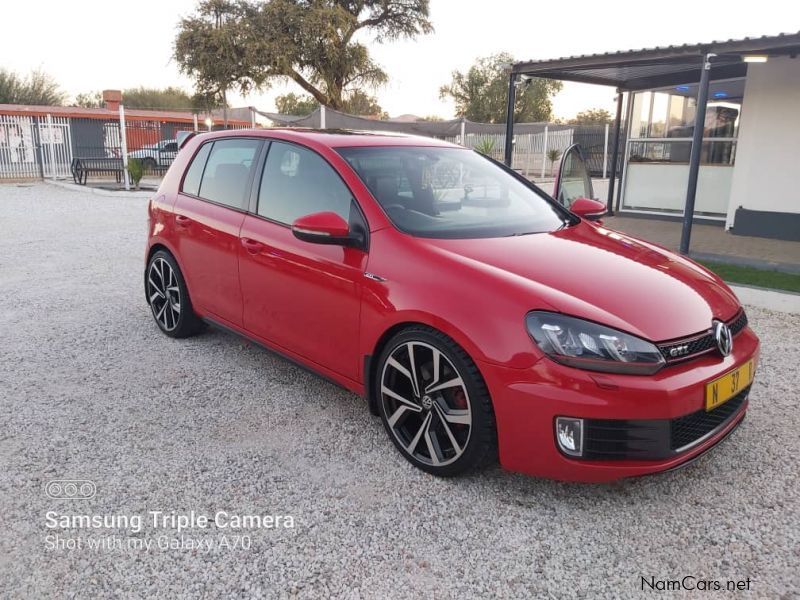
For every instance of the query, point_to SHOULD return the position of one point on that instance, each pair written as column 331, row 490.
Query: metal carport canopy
column 631, row 70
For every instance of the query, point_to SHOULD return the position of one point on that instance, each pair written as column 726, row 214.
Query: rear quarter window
column 191, row 183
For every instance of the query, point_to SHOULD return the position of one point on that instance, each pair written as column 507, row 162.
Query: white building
column 750, row 152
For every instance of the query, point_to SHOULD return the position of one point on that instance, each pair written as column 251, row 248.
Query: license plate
column 726, row 387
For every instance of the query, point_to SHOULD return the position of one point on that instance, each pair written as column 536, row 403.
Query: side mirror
column 586, row 208
column 322, row 228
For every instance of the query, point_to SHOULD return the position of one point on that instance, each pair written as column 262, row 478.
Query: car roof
column 337, row 138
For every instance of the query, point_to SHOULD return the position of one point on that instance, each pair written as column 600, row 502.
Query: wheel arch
column 161, row 244
column 371, row 360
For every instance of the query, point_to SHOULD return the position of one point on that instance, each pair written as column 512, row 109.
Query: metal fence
column 535, row 155
column 45, row 146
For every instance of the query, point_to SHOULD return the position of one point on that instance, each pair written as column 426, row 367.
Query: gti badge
column 723, row 337
column 679, row 351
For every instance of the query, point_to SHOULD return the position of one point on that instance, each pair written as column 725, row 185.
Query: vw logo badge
column 723, row 337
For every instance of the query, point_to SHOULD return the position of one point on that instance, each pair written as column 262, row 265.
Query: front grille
column 690, row 428
column 700, row 343
column 738, row 323
column 654, row 439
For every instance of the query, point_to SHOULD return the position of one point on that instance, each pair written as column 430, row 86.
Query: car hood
column 605, row 276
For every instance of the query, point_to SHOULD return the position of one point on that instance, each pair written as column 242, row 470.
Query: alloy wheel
column 164, row 294
column 426, row 403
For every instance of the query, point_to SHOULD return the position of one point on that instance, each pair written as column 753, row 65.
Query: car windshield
column 451, row 193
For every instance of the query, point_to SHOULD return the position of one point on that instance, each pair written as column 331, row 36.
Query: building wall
column 765, row 196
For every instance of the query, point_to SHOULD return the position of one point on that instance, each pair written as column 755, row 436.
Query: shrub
column 135, row 171
column 553, row 155
column 485, row 146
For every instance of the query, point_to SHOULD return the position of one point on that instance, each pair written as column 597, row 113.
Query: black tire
column 168, row 298
column 477, row 445
column 149, row 164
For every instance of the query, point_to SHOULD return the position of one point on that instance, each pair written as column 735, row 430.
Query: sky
column 87, row 45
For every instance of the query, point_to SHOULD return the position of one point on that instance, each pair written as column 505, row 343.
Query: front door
column 302, row 296
column 208, row 215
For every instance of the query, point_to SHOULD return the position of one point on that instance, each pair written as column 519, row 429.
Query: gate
column 33, row 147
column 56, row 146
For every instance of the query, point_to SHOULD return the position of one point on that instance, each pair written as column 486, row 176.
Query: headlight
column 590, row 346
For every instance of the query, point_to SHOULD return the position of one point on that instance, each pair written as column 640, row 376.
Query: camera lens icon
column 70, row 489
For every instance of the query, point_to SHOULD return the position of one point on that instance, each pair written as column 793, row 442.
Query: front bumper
column 670, row 404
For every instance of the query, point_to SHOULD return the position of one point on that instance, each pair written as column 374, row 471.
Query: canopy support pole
column 694, row 157
column 615, row 154
column 512, row 97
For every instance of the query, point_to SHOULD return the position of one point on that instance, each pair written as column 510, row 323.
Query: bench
column 83, row 167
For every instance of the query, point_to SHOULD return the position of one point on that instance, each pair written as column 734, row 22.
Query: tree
column 214, row 48
column 593, row 116
column 295, row 104
column 356, row 102
column 89, row 100
column 481, row 93
column 311, row 42
column 37, row 88
column 169, row 98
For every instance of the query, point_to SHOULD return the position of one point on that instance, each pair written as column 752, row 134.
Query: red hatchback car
column 478, row 316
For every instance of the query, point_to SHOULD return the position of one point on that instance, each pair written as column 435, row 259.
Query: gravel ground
column 89, row 389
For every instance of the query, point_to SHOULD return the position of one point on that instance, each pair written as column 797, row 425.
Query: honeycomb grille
column 699, row 344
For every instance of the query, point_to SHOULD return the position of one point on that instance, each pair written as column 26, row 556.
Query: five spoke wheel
column 426, row 403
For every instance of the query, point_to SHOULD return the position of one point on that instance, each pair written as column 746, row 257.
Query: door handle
column 252, row 246
column 182, row 220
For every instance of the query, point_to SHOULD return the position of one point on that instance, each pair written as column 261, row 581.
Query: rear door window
column 227, row 171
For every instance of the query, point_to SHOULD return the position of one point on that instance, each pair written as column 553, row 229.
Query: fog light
column 569, row 433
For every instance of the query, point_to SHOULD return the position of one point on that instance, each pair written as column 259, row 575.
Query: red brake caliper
column 459, row 399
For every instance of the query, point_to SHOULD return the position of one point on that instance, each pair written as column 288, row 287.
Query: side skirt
column 340, row 381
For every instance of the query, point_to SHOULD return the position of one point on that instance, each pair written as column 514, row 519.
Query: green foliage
column 170, row 98
column 212, row 48
column 37, row 88
column 239, row 44
column 89, row 100
column 481, row 93
column 553, row 155
column 432, row 118
column 295, row 104
column 135, row 171
column 758, row 277
column 593, row 116
column 485, row 146
column 356, row 102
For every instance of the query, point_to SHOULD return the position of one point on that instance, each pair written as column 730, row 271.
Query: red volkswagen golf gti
column 480, row 317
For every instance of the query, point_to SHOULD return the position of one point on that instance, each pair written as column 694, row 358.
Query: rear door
column 208, row 215
column 302, row 296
